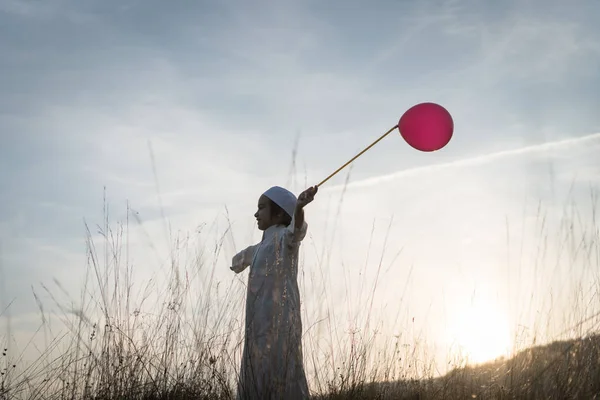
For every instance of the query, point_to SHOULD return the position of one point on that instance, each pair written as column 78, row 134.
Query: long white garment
column 272, row 366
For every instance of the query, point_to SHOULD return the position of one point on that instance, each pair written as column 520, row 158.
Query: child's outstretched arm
column 304, row 199
column 242, row 259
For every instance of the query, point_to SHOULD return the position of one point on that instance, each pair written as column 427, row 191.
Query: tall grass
column 180, row 336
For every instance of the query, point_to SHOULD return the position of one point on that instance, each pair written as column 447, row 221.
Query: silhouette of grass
column 180, row 338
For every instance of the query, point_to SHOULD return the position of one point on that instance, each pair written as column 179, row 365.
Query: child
column 272, row 366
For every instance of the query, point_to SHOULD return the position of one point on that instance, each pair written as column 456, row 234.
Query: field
column 185, row 344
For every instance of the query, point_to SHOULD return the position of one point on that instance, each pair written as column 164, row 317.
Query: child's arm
column 298, row 227
column 298, row 218
column 304, row 199
column 242, row 259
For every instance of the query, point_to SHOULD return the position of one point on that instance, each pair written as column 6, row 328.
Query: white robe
column 272, row 366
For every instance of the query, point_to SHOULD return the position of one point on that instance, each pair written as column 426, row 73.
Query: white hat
column 283, row 198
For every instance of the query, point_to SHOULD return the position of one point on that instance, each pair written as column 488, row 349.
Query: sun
column 479, row 333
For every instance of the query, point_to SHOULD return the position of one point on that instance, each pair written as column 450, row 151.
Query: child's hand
column 307, row 196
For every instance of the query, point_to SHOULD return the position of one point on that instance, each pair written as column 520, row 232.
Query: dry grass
column 185, row 345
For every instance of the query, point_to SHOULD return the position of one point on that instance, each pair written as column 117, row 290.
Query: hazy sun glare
column 479, row 333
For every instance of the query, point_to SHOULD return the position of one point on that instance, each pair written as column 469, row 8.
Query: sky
column 185, row 112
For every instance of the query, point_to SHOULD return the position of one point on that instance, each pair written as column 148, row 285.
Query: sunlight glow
column 479, row 333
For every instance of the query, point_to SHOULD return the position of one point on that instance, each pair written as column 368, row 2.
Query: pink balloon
column 426, row 126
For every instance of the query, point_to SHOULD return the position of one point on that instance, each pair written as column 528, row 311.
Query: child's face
column 263, row 215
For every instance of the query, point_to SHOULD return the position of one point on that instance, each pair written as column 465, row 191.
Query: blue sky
column 222, row 91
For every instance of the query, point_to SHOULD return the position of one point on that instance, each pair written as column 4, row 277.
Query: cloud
column 474, row 161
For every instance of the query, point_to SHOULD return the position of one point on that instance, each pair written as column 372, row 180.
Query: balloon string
column 358, row 155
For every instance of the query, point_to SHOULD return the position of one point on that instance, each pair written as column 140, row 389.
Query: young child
column 272, row 366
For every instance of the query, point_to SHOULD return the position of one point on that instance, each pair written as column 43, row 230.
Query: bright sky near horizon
column 224, row 92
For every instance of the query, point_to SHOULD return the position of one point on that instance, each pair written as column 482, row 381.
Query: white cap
column 283, row 198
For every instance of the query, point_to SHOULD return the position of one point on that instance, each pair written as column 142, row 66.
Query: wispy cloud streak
column 472, row 161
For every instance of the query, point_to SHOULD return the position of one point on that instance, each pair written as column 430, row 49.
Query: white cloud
column 540, row 149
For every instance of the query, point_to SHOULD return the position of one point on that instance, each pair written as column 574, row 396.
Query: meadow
column 180, row 337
